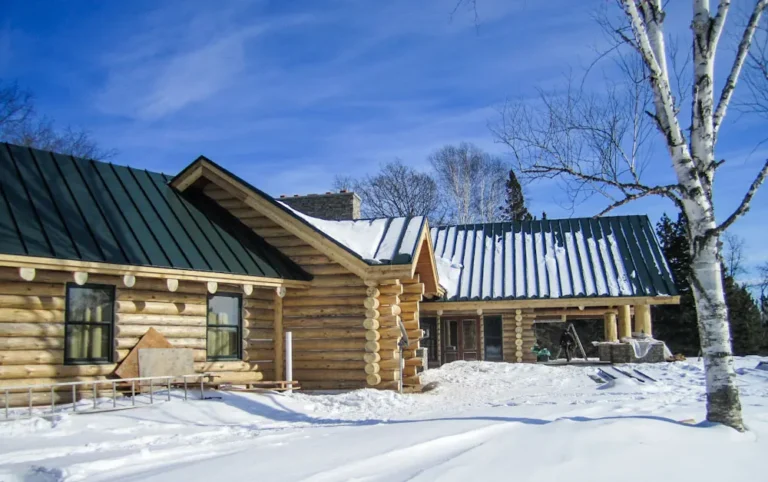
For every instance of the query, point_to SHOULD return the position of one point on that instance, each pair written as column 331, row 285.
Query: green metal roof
column 58, row 206
column 610, row 256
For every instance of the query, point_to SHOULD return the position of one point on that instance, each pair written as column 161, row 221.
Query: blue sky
column 289, row 94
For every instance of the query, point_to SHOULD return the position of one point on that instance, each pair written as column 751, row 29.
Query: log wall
column 327, row 320
column 32, row 317
column 518, row 336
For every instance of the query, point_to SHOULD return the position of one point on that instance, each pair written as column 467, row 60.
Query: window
column 493, row 337
column 224, row 327
column 88, row 325
column 429, row 340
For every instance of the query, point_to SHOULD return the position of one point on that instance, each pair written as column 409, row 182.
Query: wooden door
column 460, row 339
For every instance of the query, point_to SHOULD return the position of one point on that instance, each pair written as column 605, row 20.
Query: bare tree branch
column 745, row 202
column 741, row 56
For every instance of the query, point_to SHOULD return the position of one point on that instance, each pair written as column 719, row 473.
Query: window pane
column 493, row 347
column 222, row 342
column 224, row 310
column 90, row 304
column 470, row 335
column 88, row 342
column 453, row 334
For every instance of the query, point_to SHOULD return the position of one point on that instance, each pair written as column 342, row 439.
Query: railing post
column 151, row 392
column 94, row 395
column 202, row 393
column 7, row 404
column 289, row 360
column 133, row 393
column 53, row 401
column 29, row 393
column 169, row 389
column 114, row 395
column 74, row 398
column 185, row 387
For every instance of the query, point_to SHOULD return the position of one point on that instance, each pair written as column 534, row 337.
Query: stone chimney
column 334, row 206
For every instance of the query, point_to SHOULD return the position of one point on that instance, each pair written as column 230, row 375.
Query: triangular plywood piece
column 129, row 368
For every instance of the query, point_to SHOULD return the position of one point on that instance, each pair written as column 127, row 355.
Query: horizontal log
column 330, row 333
column 258, row 314
column 260, row 356
column 389, row 354
column 411, row 325
column 409, row 307
column 160, row 297
column 352, row 355
column 258, row 303
column 414, row 381
column 357, row 292
column 281, row 242
column 388, row 282
column 331, row 385
column 226, row 366
column 332, row 375
column 328, row 365
column 160, row 308
column 23, row 288
column 409, row 371
column 237, row 377
column 160, row 320
column 394, row 364
column 31, row 343
column 324, row 311
column 308, row 260
column 32, row 357
column 176, row 342
column 198, row 355
column 168, row 331
column 371, row 303
column 31, row 329
column 390, row 321
column 410, row 281
column 337, row 281
column 372, row 335
column 414, row 288
column 323, row 322
column 372, row 291
column 371, row 368
column 39, row 384
column 389, row 299
column 53, row 371
column 324, row 301
column 15, row 315
column 410, row 298
column 325, row 269
column 389, row 375
column 258, row 324
column 32, row 302
column 259, row 333
column 371, row 357
column 390, row 290
column 321, row 345
column 374, row 314
column 305, row 250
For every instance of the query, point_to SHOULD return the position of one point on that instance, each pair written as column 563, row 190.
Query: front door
column 460, row 340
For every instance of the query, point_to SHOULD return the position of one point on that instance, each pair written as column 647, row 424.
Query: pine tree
column 746, row 329
column 677, row 325
column 515, row 209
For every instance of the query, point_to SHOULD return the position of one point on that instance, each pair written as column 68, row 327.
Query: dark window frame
column 499, row 337
column 110, row 358
column 238, row 327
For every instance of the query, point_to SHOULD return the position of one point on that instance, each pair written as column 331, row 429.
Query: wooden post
column 625, row 322
column 609, row 321
column 642, row 319
column 278, row 334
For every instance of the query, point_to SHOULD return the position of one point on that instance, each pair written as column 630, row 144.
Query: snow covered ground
column 484, row 421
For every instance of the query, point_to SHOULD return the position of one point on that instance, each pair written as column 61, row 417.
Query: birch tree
column 594, row 156
column 472, row 182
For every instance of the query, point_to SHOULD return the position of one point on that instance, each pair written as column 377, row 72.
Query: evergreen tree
column 677, row 325
column 515, row 209
column 747, row 333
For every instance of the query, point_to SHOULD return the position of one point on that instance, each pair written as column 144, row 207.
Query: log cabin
column 93, row 255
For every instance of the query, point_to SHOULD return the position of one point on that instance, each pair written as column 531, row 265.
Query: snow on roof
column 377, row 241
column 608, row 256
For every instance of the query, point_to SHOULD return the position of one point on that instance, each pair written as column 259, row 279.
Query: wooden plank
column 129, row 368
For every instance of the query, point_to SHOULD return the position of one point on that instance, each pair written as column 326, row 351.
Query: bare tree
column 589, row 150
column 733, row 255
column 473, row 183
column 396, row 190
column 756, row 73
column 20, row 124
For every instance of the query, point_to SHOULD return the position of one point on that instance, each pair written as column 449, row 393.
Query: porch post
column 609, row 321
column 439, row 343
column 625, row 322
column 643, row 319
column 278, row 333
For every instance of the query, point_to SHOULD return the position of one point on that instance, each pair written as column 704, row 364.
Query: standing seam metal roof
column 610, row 256
column 58, row 206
